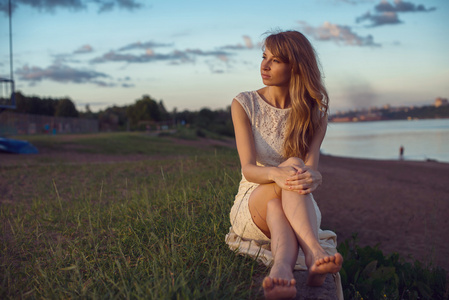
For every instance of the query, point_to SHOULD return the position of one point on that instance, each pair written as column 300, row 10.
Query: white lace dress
column 268, row 126
column 244, row 237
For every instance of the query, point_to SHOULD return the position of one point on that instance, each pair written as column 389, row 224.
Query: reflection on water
column 421, row 139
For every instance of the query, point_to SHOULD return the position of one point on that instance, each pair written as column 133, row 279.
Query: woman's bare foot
column 323, row 265
column 280, row 284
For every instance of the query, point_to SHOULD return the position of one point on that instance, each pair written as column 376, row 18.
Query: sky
column 196, row 54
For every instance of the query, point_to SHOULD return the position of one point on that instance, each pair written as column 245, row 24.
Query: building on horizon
column 441, row 102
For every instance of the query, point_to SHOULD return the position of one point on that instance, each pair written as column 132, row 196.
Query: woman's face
column 274, row 72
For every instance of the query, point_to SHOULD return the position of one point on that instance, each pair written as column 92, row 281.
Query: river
column 421, row 139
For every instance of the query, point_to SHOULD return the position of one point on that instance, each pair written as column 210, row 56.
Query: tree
column 47, row 106
column 145, row 110
column 113, row 118
column 66, row 108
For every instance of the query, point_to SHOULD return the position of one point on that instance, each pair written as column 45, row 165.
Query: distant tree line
column 145, row 114
column 424, row 112
column 401, row 113
column 63, row 107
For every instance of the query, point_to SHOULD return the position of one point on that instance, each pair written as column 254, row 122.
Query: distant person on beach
column 279, row 129
column 401, row 152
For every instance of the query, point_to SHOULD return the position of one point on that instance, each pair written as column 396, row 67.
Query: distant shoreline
column 374, row 119
column 421, row 140
column 426, row 160
column 393, row 113
column 405, row 160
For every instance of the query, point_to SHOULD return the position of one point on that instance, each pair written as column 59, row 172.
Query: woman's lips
column 264, row 76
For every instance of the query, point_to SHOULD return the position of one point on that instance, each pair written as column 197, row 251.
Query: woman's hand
column 287, row 170
column 305, row 181
column 281, row 175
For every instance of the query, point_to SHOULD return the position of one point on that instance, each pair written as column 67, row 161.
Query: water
column 421, row 139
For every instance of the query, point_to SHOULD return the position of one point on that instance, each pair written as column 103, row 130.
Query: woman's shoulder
column 246, row 99
column 245, row 95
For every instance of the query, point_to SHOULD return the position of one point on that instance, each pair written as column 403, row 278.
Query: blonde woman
column 279, row 130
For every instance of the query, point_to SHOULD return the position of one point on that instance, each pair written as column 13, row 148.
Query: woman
column 279, row 130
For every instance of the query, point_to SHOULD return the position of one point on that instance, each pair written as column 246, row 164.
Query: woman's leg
column 300, row 212
column 280, row 283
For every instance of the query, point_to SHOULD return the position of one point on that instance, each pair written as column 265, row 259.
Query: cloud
column 354, row 1
column 102, row 83
column 106, row 5
column 149, row 56
column 84, row 49
column 248, row 44
column 127, row 85
column 401, row 6
column 217, row 67
column 205, row 53
column 233, row 47
column 223, row 58
column 339, row 34
column 61, row 59
column 384, row 18
column 53, row 5
column 146, row 45
column 175, row 57
column 61, row 73
column 64, row 58
column 43, row 5
column 386, row 13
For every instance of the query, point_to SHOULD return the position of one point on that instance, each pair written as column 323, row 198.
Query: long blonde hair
column 308, row 96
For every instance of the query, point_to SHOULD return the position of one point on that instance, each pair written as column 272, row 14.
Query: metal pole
column 10, row 41
column 13, row 96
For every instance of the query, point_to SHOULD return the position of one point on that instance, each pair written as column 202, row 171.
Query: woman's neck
column 277, row 96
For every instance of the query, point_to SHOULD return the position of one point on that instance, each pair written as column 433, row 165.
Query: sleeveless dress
column 268, row 126
column 244, row 237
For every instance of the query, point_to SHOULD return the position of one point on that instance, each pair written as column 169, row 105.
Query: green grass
column 151, row 229
column 122, row 143
column 369, row 274
column 147, row 229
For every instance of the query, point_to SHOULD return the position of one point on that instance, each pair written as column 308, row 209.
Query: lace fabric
column 268, row 125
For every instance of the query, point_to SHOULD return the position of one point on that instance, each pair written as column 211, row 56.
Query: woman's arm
column 308, row 178
column 247, row 152
column 313, row 156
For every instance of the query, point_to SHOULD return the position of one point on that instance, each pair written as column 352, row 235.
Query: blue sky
column 195, row 54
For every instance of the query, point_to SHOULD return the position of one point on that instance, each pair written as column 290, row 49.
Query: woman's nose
column 265, row 66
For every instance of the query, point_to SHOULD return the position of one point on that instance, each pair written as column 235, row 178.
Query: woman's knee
column 274, row 205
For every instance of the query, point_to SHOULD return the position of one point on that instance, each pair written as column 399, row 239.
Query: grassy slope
column 149, row 229
column 129, row 230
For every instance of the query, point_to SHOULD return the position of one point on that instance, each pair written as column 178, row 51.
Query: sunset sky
column 195, row 54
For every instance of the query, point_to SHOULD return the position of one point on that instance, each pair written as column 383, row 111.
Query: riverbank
column 401, row 205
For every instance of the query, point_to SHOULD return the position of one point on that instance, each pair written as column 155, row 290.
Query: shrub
column 368, row 274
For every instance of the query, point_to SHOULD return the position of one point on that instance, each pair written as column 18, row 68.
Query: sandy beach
column 401, row 205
